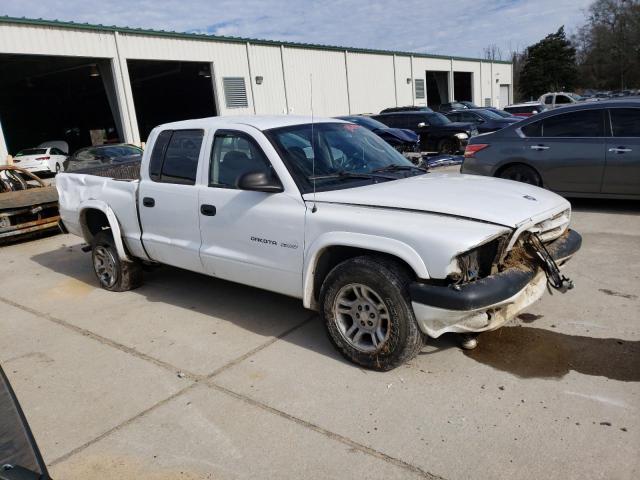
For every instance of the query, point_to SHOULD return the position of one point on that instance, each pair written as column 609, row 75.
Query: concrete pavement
column 191, row 377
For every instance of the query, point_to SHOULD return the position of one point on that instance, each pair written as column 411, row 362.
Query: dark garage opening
column 437, row 88
column 463, row 86
column 45, row 98
column 166, row 91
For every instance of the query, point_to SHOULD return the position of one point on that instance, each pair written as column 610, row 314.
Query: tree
column 492, row 52
column 609, row 45
column 549, row 65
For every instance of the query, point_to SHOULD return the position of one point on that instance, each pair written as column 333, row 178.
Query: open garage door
column 437, row 88
column 165, row 91
column 463, row 86
column 53, row 98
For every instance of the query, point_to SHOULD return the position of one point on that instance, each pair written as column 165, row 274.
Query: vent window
column 419, row 88
column 235, row 92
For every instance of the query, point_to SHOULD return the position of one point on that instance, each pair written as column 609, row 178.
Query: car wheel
column 112, row 273
column 448, row 146
column 521, row 173
column 368, row 314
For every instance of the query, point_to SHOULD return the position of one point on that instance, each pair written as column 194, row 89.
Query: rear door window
column 532, row 130
column 625, row 122
column 157, row 155
column 584, row 123
column 181, row 157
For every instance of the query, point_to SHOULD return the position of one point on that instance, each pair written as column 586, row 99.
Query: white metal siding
column 371, row 83
column 266, row 63
column 329, row 81
column 403, row 88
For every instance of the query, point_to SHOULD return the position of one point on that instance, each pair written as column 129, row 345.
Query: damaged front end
column 492, row 283
column 27, row 205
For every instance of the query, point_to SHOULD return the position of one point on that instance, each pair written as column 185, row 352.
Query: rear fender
column 114, row 225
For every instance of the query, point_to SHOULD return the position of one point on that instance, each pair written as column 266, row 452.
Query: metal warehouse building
column 93, row 83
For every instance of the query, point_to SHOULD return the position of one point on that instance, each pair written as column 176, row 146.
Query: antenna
column 314, row 209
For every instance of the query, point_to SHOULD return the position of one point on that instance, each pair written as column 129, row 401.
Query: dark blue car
column 401, row 139
column 484, row 119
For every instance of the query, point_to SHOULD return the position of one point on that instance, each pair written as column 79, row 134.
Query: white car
column 49, row 159
column 553, row 100
column 329, row 213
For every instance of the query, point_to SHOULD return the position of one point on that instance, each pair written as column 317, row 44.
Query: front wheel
column 448, row 146
column 113, row 274
column 368, row 314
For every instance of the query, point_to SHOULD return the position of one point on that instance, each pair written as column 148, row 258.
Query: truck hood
column 485, row 199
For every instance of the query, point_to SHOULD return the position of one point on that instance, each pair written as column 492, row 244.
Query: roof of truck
column 261, row 122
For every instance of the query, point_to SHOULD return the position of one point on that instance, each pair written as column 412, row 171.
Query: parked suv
column 588, row 149
column 437, row 132
column 484, row 119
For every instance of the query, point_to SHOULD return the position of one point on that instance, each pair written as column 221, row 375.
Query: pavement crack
column 327, row 433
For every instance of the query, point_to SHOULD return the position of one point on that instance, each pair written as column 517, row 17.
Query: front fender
column 358, row 240
column 113, row 224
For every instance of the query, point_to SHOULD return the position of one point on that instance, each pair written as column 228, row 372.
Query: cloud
column 463, row 27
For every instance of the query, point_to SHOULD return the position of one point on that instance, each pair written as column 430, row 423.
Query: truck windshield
column 341, row 154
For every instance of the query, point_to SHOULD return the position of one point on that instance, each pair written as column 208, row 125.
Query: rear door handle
column 539, row 147
column 148, row 202
column 620, row 150
column 208, row 210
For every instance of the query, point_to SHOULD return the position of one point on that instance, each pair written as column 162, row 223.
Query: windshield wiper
column 345, row 174
column 394, row 167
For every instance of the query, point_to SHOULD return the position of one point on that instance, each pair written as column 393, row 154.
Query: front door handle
column 208, row 210
column 148, row 202
column 620, row 150
column 539, row 147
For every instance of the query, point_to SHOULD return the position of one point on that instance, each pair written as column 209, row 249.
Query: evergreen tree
column 550, row 66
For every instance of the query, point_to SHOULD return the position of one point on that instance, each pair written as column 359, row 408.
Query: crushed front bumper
column 488, row 303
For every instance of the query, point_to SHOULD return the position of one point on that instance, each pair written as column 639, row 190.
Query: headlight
column 462, row 136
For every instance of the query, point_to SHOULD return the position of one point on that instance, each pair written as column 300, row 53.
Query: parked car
column 558, row 99
column 587, row 149
column 485, row 120
column 502, row 113
column 437, row 133
column 525, row 109
column 450, row 106
column 403, row 140
column 41, row 160
column 408, row 108
column 329, row 213
column 20, row 457
column 27, row 205
column 101, row 155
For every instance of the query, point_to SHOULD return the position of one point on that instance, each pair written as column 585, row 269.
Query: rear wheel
column 521, row 173
column 448, row 146
column 113, row 274
column 368, row 314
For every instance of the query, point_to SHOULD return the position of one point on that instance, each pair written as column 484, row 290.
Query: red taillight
column 42, row 159
column 472, row 149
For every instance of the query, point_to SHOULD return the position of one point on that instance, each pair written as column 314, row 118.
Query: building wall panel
column 371, row 82
column 270, row 96
column 404, row 90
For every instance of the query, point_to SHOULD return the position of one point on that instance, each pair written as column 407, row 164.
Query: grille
column 552, row 228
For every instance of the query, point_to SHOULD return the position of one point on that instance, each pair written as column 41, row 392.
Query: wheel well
column 502, row 168
column 93, row 221
column 332, row 256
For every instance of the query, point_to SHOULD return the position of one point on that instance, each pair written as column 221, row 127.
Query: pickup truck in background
column 327, row 212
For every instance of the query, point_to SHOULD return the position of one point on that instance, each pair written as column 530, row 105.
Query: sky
column 446, row 27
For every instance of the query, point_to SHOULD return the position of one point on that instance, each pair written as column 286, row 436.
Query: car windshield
column 31, row 151
column 342, row 155
column 365, row 122
column 437, row 119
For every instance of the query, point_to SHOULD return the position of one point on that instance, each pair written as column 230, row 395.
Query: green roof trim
column 217, row 38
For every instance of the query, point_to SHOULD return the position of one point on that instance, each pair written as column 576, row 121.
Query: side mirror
column 260, row 182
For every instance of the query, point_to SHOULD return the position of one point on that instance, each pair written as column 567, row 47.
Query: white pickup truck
column 327, row 212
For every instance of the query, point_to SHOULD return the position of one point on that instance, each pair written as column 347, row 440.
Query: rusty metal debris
column 27, row 205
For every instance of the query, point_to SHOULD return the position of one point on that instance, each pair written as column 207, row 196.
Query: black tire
column 389, row 282
column 449, row 146
column 521, row 173
column 112, row 273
